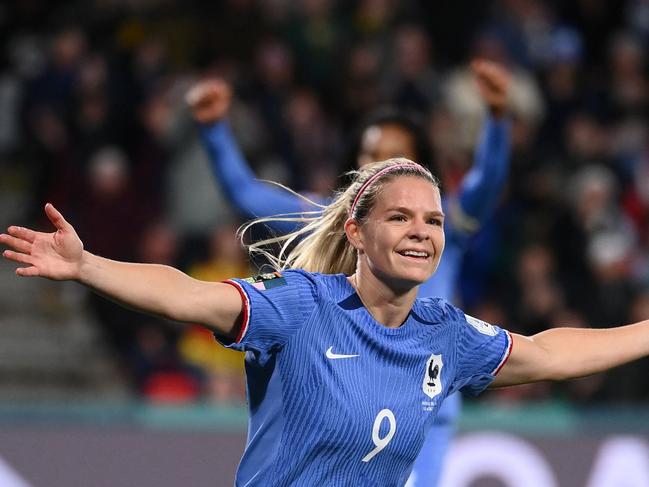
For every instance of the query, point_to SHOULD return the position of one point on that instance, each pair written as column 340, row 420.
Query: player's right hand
column 209, row 100
column 55, row 255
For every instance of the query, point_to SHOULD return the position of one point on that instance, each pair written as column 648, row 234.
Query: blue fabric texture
column 337, row 398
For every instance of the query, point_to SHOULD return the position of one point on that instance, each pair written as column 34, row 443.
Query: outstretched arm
column 155, row 289
column 209, row 102
column 483, row 184
column 569, row 353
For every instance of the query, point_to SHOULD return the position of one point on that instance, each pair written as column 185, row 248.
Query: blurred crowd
column 92, row 119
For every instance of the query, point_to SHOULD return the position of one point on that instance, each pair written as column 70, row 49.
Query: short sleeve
column 482, row 351
column 275, row 306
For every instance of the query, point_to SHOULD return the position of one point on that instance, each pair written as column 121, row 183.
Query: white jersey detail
column 482, row 326
column 331, row 355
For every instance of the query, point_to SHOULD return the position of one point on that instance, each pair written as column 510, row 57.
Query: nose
column 419, row 230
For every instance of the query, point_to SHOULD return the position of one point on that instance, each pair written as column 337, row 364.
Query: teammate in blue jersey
column 346, row 371
column 386, row 135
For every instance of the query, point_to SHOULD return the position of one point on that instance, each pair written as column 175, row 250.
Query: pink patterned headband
column 382, row 172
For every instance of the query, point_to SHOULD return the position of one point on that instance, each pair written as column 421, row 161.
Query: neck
column 388, row 306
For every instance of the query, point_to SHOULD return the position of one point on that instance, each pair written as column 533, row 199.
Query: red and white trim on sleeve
column 503, row 361
column 245, row 302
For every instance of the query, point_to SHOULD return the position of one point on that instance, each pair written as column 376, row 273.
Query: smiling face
column 402, row 239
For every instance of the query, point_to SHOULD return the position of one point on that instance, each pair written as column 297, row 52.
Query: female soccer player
column 346, row 371
column 387, row 134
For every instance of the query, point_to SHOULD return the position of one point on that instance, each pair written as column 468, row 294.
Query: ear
column 353, row 232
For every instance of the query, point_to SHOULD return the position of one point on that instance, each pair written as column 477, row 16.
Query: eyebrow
column 403, row 209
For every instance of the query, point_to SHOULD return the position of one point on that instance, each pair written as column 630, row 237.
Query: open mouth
column 415, row 254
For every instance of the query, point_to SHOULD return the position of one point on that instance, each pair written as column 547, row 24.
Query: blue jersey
column 335, row 397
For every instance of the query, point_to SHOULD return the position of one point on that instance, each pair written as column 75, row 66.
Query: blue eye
column 398, row 218
column 436, row 221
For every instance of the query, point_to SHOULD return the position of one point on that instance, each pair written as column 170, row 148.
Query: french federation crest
column 432, row 384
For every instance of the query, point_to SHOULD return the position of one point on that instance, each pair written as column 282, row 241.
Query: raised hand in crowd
column 209, row 100
column 493, row 82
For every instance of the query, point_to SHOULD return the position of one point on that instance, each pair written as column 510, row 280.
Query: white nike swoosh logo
column 330, row 354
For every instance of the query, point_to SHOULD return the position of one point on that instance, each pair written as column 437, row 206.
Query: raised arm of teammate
column 156, row 289
column 483, row 184
column 209, row 102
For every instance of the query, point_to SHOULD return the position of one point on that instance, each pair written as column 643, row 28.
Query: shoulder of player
column 330, row 286
column 314, row 277
column 436, row 310
column 440, row 310
column 321, row 285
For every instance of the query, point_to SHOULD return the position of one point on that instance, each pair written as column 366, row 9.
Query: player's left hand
column 493, row 82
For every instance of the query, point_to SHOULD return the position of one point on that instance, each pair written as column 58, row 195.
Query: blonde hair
column 321, row 244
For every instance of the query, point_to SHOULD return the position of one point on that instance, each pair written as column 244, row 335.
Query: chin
column 418, row 276
column 403, row 280
column 409, row 282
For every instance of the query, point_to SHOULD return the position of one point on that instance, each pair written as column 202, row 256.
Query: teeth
column 414, row 253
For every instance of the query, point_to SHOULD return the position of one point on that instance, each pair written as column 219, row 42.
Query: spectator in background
column 109, row 189
column 109, row 210
column 222, row 368
column 563, row 89
column 628, row 83
column 315, row 35
column 56, row 84
column 155, row 363
column 362, row 90
column 537, row 296
column 56, row 176
column 315, row 142
column 413, row 84
column 610, row 240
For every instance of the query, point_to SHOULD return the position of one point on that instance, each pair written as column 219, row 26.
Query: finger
column 17, row 257
column 28, row 272
column 22, row 233
column 56, row 218
column 16, row 243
